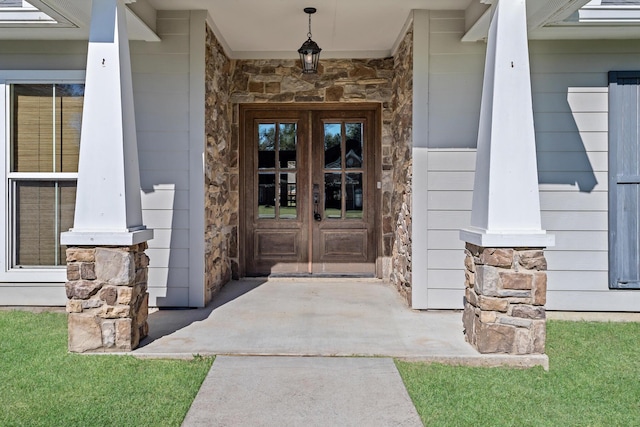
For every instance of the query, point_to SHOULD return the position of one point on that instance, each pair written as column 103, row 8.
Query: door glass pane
column 267, row 146
column 333, row 195
column 353, row 150
column 288, row 207
column 287, row 145
column 332, row 146
column 266, row 195
column 355, row 196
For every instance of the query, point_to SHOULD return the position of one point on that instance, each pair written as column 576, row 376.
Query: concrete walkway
column 297, row 327
column 302, row 391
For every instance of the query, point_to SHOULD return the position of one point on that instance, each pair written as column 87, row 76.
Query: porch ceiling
column 277, row 28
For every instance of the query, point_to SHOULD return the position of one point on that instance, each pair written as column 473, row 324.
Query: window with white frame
column 44, row 121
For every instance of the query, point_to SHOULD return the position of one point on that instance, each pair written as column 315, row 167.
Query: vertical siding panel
column 624, row 181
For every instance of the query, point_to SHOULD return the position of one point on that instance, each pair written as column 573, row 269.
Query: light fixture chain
column 309, row 33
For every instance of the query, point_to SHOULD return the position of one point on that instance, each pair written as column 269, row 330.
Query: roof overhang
column 597, row 20
column 565, row 19
column 69, row 20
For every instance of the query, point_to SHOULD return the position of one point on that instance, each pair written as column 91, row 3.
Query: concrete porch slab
column 316, row 317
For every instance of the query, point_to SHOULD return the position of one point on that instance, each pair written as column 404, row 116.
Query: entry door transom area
column 309, row 190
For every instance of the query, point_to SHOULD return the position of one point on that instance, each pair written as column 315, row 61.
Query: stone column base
column 107, row 297
column 505, row 295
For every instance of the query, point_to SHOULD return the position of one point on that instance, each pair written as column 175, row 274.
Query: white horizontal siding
column 36, row 294
column 570, row 97
column 161, row 93
column 572, row 136
column 173, row 296
column 445, row 299
column 572, row 141
column 600, row 300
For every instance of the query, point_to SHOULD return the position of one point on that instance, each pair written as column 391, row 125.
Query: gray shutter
column 624, row 180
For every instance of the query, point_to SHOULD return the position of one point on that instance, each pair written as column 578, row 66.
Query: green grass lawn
column 42, row 385
column 594, row 380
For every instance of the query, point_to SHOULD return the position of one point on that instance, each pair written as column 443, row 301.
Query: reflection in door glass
column 287, row 145
column 354, row 202
column 353, row 149
column 288, row 206
column 332, row 146
column 266, row 145
column 266, row 195
column 333, row 195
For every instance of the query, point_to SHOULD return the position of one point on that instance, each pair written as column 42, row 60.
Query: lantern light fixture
column 309, row 51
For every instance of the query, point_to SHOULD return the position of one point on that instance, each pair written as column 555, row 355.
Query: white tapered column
column 107, row 268
column 506, row 204
column 505, row 266
column 108, row 209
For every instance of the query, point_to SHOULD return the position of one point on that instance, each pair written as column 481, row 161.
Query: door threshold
column 321, row 276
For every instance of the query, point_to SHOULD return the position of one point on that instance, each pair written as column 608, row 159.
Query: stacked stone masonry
column 107, row 297
column 402, row 125
column 505, row 299
column 232, row 82
column 221, row 172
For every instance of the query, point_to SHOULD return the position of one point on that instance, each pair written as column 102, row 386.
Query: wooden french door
column 309, row 190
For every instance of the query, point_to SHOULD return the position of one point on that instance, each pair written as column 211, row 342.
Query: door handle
column 316, row 202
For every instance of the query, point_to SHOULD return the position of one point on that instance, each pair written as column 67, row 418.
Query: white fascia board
column 407, row 25
column 144, row 11
column 609, row 14
column 12, row 18
column 479, row 29
column 539, row 14
column 44, row 76
column 138, row 28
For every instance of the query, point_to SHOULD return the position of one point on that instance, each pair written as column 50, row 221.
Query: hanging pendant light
column 309, row 51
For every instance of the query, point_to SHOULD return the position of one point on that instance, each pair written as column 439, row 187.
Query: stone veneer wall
column 505, row 295
column 402, row 125
column 221, row 172
column 337, row 80
column 231, row 82
column 107, row 297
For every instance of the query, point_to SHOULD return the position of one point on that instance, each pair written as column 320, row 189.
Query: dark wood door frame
column 245, row 109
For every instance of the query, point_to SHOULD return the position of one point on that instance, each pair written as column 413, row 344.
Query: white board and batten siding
column 570, row 96
column 163, row 91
